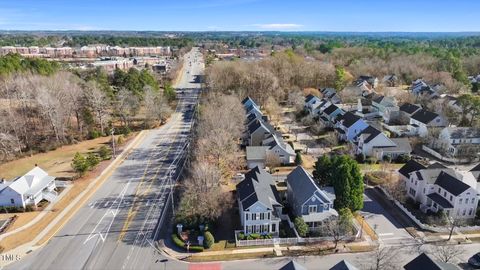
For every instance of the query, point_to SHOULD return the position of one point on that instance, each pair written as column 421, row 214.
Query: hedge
column 209, row 240
column 179, row 243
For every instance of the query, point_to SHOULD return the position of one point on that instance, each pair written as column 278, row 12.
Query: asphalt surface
column 115, row 228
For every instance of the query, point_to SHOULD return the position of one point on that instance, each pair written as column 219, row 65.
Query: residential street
column 114, row 228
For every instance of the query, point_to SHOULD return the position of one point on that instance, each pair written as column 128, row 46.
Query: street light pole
column 112, row 131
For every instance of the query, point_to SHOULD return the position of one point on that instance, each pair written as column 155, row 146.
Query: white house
column 422, row 120
column 279, row 149
column 460, row 140
column 30, row 189
column 312, row 103
column 384, row 106
column 258, row 203
column 439, row 188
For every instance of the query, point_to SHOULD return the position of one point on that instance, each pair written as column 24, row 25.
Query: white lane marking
column 382, row 234
column 110, row 213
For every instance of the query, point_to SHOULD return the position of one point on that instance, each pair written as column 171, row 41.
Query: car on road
column 474, row 261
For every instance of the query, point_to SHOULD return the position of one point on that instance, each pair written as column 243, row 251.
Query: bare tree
column 446, row 253
column 384, row 258
column 99, row 103
column 126, row 105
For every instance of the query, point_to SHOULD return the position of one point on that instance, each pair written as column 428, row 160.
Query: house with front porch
column 258, row 203
column 372, row 142
column 439, row 188
column 460, row 141
column 307, row 200
column 29, row 189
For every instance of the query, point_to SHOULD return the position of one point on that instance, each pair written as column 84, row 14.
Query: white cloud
column 278, row 26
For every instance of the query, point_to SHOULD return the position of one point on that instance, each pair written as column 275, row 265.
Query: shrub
column 209, row 240
column 105, row 152
column 177, row 241
column 360, row 158
column 79, row 164
column 92, row 160
column 125, row 131
column 120, row 140
column 93, row 134
column 387, row 158
column 241, row 236
column 301, row 226
column 195, row 248
column 402, row 159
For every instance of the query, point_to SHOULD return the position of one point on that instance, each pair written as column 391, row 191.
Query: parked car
column 474, row 261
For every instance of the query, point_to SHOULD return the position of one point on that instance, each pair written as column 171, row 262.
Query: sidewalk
column 70, row 210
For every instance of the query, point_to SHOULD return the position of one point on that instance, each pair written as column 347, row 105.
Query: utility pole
column 112, row 131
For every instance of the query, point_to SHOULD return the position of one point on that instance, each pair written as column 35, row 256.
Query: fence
column 422, row 225
column 447, row 159
column 287, row 241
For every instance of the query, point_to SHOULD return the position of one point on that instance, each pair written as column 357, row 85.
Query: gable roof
column 409, row 108
column 476, row 172
column 463, row 132
column 424, row 261
column 30, row 183
column 330, row 109
column 410, row 166
column 257, row 186
column 451, row 183
column 349, row 119
column 424, row 116
column 304, row 187
column 247, row 99
column 369, row 133
column 293, row 265
column 309, row 97
column 436, row 165
column 343, row 265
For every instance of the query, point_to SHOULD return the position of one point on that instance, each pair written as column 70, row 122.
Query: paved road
column 113, row 229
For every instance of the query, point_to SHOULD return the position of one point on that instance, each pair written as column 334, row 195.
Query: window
column 12, row 201
column 451, row 197
column 312, row 209
column 466, row 200
column 444, row 194
column 438, row 190
column 424, row 191
column 464, row 212
column 262, row 216
column 268, row 215
column 274, row 227
column 254, row 216
column 460, row 201
column 412, row 191
column 246, row 216
column 470, row 211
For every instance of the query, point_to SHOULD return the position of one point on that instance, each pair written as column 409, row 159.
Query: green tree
column 340, row 78
column 104, row 152
column 301, row 226
column 348, row 183
column 298, row 159
column 471, row 106
column 92, row 160
column 169, row 92
column 79, row 164
column 322, row 170
column 209, row 239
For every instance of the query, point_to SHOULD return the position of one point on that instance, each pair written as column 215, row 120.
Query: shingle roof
column 436, row 165
column 409, row 108
column 309, row 97
column 476, row 168
column 256, row 152
column 349, row 119
column 451, row 184
column 245, row 100
column 330, row 109
column 304, row 186
column 440, row 200
column 371, row 132
column 343, row 265
column 463, row 132
column 424, row 116
column 425, row 262
column 257, row 186
column 32, row 182
column 292, row 265
column 410, row 166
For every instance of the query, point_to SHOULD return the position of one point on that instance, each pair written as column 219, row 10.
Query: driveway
column 385, row 219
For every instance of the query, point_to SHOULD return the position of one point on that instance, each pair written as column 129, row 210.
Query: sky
column 243, row 15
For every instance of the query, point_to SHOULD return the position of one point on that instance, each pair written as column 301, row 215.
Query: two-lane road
column 113, row 230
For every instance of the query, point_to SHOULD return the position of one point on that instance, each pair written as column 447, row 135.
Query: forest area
column 44, row 106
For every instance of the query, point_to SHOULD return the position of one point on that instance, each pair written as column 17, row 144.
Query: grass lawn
column 229, row 257
column 56, row 162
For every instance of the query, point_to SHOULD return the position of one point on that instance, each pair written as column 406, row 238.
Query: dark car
column 474, row 261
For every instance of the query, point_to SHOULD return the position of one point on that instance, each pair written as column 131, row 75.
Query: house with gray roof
column 258, row 203
column 371, row 142
column 248, row 101
column 348, row 126
column 427, row 262
column 29, row 189
column 422, row 120
column 460, row 141
column 311, row 104
column 439, row 188
column 307, row 200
